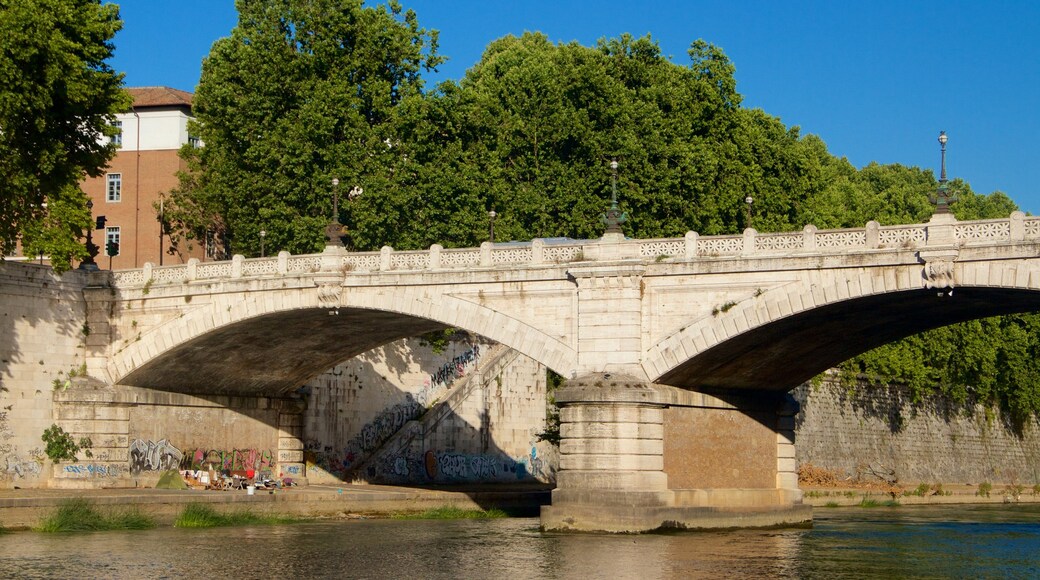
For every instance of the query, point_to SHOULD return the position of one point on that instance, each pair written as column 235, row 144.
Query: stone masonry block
column 607, row 413
column 612, row 446
column 613, row 462
column 612, row 430
column 634, row 480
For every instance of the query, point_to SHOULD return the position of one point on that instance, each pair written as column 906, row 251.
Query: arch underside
column 273, row 354
column 787, row 352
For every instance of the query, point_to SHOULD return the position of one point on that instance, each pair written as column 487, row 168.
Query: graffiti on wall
column 370, row 438
column 153, row 456
column 452, row 467
column 229, row 460
column 455, row 368
column 90, row 470
column 19, row 467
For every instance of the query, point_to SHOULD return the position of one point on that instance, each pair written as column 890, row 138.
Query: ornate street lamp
column 263, row 234
column 92, row 248
column 943, row 197
column 748, row 200
column 491, row 225
column 613, row 218
column 334, row 231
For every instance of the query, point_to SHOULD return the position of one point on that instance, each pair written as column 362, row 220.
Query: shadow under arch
column 271, row 345
column 783, row 353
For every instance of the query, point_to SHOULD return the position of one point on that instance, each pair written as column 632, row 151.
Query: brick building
column 145, row 166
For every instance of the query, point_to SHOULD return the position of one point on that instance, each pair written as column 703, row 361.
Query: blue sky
column 876, row 80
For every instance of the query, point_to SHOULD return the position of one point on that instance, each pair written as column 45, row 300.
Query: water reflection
column 959, row 541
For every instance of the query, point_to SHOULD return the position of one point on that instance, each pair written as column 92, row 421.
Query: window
column 195, row 142
column 117, row 139
column 115, row 186
column 111, row 237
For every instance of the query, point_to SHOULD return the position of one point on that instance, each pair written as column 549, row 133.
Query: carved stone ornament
column 329, row 295
column 938, row 273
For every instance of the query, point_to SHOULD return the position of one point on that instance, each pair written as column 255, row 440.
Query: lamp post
column 491, row 225
column 92, row 248
column 334, row 231
column 613, row 218
column 747, row 208
column 263, row 234
column 943, row 197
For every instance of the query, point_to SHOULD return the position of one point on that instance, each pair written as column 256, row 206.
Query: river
column 965, row 541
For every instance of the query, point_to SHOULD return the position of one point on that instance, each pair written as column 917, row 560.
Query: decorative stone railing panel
column 894, row 237
column 259, row 267
column 658, row 248
column 562, row 254
column 841, row 239
column 720, row 245
column 511, row 255
column 996, row 230
column 409, row 260
column 367, row 262
column 774, row 242
column 460, row 258
column 1032, row 228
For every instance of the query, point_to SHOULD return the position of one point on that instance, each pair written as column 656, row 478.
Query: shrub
column 62, row 447
column 984, row 488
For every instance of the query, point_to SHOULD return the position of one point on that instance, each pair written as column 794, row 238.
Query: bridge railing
column 1018, row 227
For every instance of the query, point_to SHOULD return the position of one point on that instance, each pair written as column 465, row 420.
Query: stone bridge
column 663, row 342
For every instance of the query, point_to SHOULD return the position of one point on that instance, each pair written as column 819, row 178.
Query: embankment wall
column 877, row 429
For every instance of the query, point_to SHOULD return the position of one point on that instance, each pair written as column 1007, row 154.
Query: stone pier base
column 636, row 457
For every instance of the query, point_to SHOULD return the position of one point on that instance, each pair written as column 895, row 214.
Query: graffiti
column 292, row 469
column 456, row 367
column 450, row 467
column 17, row 467
column 151, row 456
column 229, row 460
column 5, row 434
column 91, row 470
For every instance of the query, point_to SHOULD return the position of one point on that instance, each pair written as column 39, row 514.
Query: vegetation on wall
column 61, row 446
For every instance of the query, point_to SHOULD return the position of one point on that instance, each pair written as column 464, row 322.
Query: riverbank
column 946, row 494
column 22, row 509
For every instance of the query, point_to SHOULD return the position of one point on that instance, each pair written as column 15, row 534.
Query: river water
column 972, row 541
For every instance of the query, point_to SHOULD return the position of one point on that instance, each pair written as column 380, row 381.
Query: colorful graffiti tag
column 153, row 456
column 230, row 460
column 91, row 470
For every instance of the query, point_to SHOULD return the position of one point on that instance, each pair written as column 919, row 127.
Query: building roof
column 159, row 97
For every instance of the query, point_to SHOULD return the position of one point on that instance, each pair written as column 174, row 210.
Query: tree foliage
column 58, row 96
column 303, row 91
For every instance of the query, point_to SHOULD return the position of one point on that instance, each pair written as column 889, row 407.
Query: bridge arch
column 781, row 338
column 228, row 345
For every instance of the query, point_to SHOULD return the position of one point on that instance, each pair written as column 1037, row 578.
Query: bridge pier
column 636, row 457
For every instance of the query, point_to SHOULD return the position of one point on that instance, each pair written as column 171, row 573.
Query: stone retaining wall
column 877, row 428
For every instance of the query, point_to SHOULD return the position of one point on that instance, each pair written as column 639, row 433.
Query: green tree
column 58, row 97
column 302, row 92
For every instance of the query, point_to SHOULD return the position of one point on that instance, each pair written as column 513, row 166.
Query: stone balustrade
column 1018, row 227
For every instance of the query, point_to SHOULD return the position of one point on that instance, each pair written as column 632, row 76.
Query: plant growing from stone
column 61, row 446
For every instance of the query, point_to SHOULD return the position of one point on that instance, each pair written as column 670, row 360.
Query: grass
column 79, row 515
column 450, row 513
column 831, row 504
column 870, row 503
column 197, row 515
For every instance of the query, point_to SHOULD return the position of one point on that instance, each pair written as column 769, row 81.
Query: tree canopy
column 301, row 92
column 58, row 97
